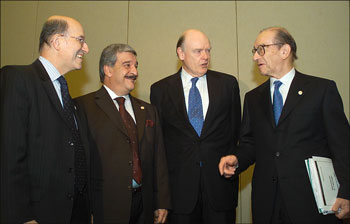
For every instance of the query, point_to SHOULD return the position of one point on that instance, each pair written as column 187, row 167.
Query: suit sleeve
column 15, row 184
column 161, row 182
column 246, row 151
column 235, row 115
column 338, row 137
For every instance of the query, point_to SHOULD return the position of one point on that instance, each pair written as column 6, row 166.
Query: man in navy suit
column 290, row 118
column 200, row 113
column 44, row 153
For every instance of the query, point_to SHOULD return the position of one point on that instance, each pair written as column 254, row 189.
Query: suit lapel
column 140, row 116
column 266, row 103
column 295, row 93
column 213, row 85
column 49, row 88
column 104, row 101
column 175, row 90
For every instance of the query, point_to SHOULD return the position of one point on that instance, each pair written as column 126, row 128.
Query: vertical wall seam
column 128, row 23
column 36, row 31
column 238, row 78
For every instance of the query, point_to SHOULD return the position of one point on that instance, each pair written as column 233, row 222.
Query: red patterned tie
column 132, row 133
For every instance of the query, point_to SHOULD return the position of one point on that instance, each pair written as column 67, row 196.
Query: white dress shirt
column 127, row 103
column 284, row 88
column 202, row 87
column 53, row 74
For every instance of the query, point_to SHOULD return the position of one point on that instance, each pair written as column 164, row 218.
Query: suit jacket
column 37, row 160
column 114, row 159
column 312, row 123
column 185, row 149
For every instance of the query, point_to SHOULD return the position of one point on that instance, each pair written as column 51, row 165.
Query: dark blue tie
column 195, row 109
column 80, row 164
column 277, row 101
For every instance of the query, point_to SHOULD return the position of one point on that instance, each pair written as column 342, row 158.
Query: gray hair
column 109, row 56
column 52, row 27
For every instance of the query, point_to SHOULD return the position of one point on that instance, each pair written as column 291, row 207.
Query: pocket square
column 149, row 123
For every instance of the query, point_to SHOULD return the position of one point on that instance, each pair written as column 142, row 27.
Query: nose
column 206, row 55
column 134, row 70
column 85, row 48
column 256, row 56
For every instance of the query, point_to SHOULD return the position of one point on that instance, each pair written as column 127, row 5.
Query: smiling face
column 271, row 63
column 195, row 53
column 122, row 76
column 73, row 48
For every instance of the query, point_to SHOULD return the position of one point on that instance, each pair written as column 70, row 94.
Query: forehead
column 74, row 27
column 196, row 40
column 266, row 37
column 125, row 56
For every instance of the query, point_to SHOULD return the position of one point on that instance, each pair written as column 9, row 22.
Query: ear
column 285, row 51
column 180, row 53
column 56, row 42
column 107, row 71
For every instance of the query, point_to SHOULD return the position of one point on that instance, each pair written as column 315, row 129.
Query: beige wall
column 320, row 28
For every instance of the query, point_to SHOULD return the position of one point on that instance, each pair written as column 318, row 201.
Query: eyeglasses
column 261, row 48
column 80, row 39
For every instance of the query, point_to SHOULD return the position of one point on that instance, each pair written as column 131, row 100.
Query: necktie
column 277, row 101
column 195, row 109
column 132, row 133
column 79, row 154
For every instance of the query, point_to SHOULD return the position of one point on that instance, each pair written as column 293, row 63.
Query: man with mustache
column 289, row 118
column 44, row 139
column 131, row 158
column 200, row 113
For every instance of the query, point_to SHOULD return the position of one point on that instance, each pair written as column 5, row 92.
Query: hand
column 228, row 165
column 343, row 206
column 31, row 222
column 160, row 215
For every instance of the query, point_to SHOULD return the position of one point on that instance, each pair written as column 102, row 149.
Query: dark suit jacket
column 37, row 161
column 184, row 149
column 115, row 156
column 312, row 123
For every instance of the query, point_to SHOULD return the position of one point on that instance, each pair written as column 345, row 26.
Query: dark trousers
column 280, row 214
column 81, row 212
column 203, row 213
column 136, row 214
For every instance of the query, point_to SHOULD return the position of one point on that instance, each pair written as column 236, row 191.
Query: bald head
column 55, row 25
column 190, row 34
column 193, row 49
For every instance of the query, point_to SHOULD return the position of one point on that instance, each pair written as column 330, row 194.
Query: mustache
column 132, row 77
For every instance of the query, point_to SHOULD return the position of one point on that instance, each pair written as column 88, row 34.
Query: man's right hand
column 31, row 222
column 227, row 166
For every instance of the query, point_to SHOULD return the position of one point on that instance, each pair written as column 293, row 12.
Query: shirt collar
column 113, row 95
column 286, row 79
column 186, row 77
column 50, row 68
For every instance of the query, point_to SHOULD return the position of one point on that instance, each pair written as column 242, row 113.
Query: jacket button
column 71, row 143
column 129, row 187
column 70, row 170
column 277, row 154
column 130, row 162
column 70, row 196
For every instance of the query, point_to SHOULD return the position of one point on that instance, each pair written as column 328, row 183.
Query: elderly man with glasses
column 290, row 118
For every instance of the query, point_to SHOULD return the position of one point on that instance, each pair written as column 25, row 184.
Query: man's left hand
column 341, row 208
column 160, row 215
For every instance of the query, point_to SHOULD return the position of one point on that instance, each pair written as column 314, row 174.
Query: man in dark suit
column 127, row 131
column 200, row 114
column 44, row 142
column 311, row 123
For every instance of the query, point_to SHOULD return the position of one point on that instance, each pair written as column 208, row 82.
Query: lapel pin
column 142, row 107
column 300, row 92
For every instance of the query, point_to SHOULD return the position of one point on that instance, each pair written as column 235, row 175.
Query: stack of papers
column 324, row 182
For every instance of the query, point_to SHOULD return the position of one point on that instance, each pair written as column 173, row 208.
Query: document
column 324, row 182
